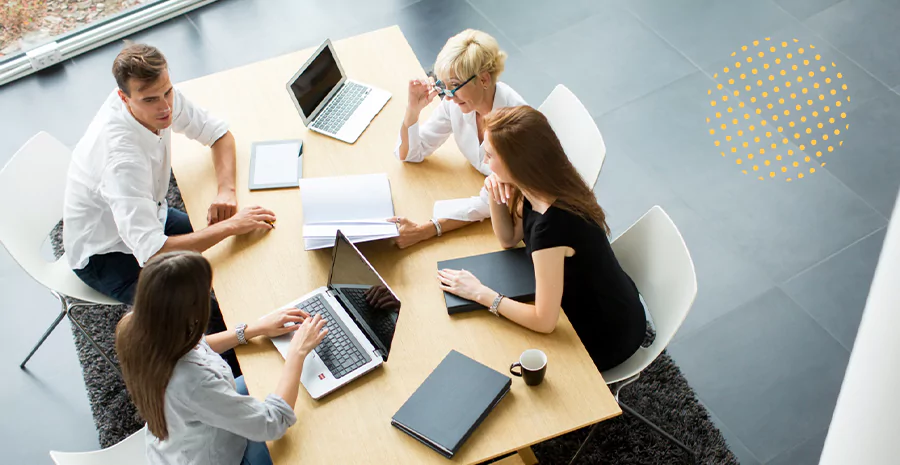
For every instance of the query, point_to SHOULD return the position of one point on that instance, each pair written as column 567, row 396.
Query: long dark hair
column 526, row 144
column 170, row 314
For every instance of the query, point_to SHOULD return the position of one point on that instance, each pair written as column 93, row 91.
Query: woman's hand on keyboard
column 279, row 322
column 308, row 336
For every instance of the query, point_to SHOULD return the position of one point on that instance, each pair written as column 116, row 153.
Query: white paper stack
column 357, row 205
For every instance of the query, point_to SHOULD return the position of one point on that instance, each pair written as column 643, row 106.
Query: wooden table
column 257, row 273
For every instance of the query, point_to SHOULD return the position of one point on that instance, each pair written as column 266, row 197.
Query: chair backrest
column 654, row 254
column 32, row 186
column 32, row 189
column 131, row 451
column 577, row 132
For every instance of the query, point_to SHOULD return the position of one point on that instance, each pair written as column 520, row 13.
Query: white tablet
column 276, row 164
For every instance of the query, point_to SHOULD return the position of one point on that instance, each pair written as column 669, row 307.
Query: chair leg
column 584, row 443
column 53, row 326
column 91, row 340
column 659, row 430
column 616, row 389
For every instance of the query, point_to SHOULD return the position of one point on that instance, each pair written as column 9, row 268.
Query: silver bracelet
column 437, row 226
column 495, row 306
column 239, row 331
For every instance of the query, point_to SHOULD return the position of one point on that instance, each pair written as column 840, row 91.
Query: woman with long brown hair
column 537, row 196
column 195, row 410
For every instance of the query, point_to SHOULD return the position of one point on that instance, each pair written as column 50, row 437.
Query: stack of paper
column 357, row 205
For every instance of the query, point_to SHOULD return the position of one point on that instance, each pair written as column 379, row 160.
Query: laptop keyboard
column 341, row 353
column 383, row 323
column 338, row 111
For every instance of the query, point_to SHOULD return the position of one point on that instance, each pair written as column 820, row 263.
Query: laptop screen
column 359, row 286
column 316, row 81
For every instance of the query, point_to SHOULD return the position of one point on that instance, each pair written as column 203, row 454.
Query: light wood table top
column 257, row 273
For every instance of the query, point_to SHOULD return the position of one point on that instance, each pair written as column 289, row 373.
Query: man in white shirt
column 115, row 215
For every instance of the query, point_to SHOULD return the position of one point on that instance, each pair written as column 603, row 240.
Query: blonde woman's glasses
column 441, row 88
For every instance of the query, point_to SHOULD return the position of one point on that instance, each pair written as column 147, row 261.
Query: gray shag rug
column 661, row 394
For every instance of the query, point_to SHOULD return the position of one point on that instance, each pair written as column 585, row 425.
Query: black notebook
column 454, row 399
column 509, row 272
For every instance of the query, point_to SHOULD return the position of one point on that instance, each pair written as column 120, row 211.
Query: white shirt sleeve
column 126, row 186
column 467, row 209
column 214, row 402
column 196, row 123
column 426, row 137
column 481, row 209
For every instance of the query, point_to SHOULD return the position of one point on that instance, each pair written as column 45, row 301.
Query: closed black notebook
column 455, row 398
column 509, row 272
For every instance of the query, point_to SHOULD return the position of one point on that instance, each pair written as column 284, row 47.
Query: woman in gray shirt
column 184, row 389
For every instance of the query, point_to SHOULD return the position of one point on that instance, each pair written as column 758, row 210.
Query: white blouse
column 208, row 421
column 447, row 119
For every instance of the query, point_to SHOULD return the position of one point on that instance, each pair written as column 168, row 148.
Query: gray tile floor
column 783, row 268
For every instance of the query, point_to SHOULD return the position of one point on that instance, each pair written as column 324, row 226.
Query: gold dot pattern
column 795, row 87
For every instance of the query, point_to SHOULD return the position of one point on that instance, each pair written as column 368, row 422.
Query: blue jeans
column 115, row 274
column 256, row 453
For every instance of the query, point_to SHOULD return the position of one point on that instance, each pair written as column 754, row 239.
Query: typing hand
column 252, row 218
column 224, row 206
column 498, row 191
column 279, row 322
column 462, row 283
column 309, row 335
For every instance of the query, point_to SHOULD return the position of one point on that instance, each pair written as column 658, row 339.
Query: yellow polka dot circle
column 778, row 110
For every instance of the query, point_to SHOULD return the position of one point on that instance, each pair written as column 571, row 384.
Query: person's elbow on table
column 508, row 244
column 546, row 325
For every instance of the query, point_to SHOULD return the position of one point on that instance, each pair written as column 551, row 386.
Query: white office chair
column 32, row 185
column 131, row 451
column 654, row 254
column 577, row 132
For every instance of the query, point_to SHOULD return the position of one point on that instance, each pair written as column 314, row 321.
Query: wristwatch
column 437, row 226
column 239, row 331
column 494, row 306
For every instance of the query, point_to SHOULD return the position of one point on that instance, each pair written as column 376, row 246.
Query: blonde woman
column 466, row 75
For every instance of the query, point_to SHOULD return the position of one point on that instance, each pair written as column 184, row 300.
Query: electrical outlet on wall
column 44, row 56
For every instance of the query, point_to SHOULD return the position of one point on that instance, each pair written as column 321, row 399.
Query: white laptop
column 361, row 313
column 329, row 102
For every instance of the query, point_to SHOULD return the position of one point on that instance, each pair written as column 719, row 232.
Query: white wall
column 865, row 428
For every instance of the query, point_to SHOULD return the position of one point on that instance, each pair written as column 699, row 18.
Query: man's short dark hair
column 139, row 61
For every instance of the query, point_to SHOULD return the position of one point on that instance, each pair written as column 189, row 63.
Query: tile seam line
column 815, row 320
column 835, row 47
column 797, row 446
column 832, row 255
column 857, row 64
column 710, row 413
column 495, row 26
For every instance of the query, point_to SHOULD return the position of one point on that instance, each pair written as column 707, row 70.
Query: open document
column 357, row 205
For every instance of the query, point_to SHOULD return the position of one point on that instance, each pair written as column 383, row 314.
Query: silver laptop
column 361, row 313
column 329, row 102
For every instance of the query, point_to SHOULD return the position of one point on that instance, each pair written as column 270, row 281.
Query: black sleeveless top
column 599, row 298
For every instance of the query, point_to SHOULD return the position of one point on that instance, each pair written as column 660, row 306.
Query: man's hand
column 251, row 219
column 224, row 206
